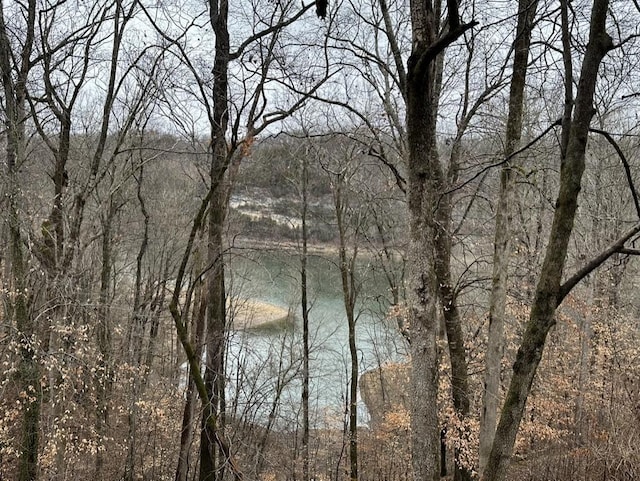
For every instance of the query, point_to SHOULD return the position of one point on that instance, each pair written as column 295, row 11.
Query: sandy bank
column 254, row 314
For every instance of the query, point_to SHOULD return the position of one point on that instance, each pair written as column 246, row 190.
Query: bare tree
column 502, row 241
column 15, row 66
column 349, row 221
column 550, row 290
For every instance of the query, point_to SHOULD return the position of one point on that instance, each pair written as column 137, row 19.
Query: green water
column 274, row 277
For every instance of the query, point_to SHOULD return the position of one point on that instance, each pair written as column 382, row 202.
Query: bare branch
column 505, row 160
column 268, row 31
column 630, row 252
column 450, row 36
column 377, row 153
column 625, row 163
column 454, row 16
column 616, row 247
column 630, row 38
column 400, row 181
column 395, row 48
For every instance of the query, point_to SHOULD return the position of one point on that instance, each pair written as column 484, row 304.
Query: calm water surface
column 264, row 362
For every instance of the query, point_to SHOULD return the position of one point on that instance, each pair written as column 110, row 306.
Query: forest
column 364, row 240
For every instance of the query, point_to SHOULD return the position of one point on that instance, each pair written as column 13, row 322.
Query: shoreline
column 287, row 245
column 247, row 243
column 250, row 314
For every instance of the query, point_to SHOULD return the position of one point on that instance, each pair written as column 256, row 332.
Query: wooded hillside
column 384, row 240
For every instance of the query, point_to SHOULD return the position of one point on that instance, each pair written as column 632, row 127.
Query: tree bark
column 212, row 460
column 195, row 371
column 548, row 290
column 422, row 291
column 424, row 178
column 502, row 240
column 453, row 325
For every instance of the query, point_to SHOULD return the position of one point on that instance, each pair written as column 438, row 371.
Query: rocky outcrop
column 384, row 390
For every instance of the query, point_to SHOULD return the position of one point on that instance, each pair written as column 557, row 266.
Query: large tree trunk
column 422, row 291
column 424, row 179
column 548, row 291
column 212, row 460
column 15, row 93
column 502, row 241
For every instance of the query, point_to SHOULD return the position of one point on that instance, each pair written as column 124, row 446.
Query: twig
column 505, row 160
column 625, row 163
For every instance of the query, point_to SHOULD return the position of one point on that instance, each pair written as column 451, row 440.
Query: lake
column 258, row 358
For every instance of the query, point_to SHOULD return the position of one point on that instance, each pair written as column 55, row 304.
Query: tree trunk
column 353, row 385
column 15, row 117
column 502, row 240
column 212, row 460
column 453, row 326
column 103, row 330
column 304, row 305
column 186, row 433
column 349, row 293
column 195, row 371
column 422, row 292
column 548, row 290
column 424, row 178
column 133, row 340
